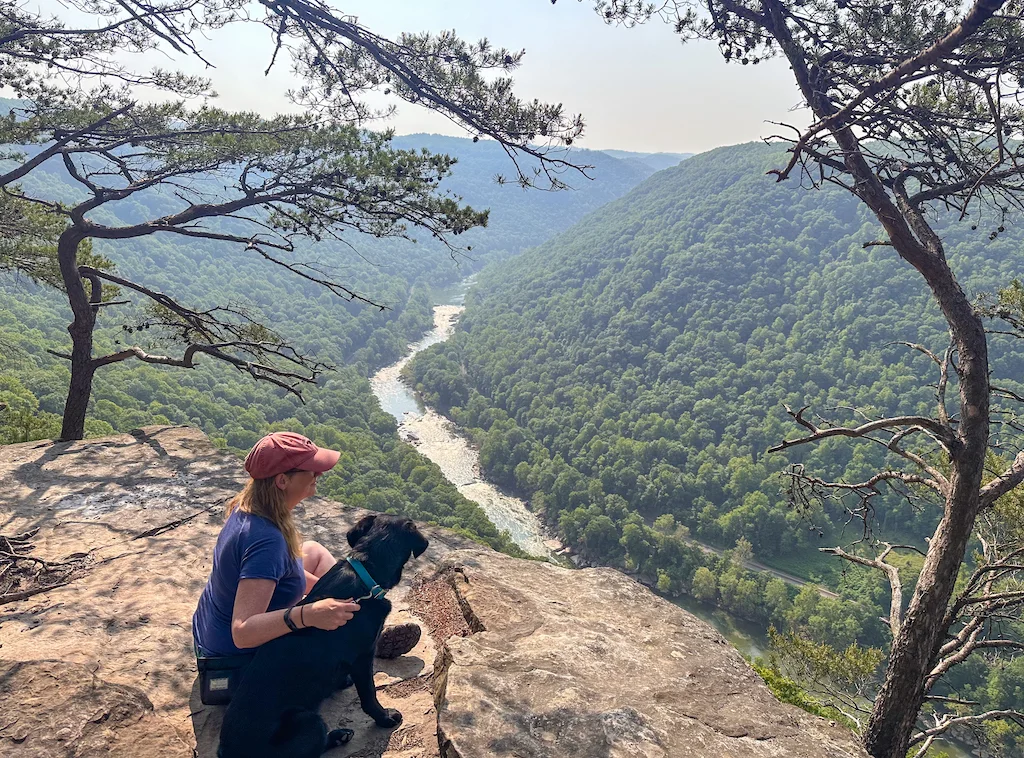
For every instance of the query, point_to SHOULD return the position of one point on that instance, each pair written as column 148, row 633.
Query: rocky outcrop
column 521, row 658
column 588, row 664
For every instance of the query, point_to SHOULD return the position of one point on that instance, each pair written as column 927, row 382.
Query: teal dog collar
column 376, row 591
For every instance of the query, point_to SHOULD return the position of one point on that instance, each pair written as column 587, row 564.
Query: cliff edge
column 521, row 658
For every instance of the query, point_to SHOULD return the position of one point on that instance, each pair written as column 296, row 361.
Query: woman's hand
column 328, row 613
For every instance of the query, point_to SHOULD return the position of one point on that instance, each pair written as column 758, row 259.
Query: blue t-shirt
column 249, row 547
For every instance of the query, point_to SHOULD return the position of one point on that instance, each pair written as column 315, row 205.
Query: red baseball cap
column 280, row 452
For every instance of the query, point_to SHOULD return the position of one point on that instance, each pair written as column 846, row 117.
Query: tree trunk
column 894, row 715
column 80, row 389
column 81, row 331
column 915, row 650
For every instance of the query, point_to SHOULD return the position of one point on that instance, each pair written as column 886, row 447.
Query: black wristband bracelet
column 288, row 620
column 302, row 616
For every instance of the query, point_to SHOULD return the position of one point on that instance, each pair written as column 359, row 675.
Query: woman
column 261, row 568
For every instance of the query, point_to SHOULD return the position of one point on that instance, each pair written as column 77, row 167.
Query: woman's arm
column 252, row 624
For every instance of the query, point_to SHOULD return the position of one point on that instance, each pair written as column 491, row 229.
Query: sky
column 638, row 89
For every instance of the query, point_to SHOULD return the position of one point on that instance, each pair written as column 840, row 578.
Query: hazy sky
column 638, row 89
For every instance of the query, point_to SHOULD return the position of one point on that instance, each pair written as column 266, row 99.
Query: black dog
column 274, row 711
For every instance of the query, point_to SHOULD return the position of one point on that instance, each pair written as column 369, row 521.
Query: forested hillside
column 639, row 364
column 356, row 338
column 629, row 375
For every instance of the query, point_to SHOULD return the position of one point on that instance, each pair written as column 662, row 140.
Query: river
column 436, row 437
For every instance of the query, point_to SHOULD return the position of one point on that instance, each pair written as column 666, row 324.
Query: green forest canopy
column 378, row 471
column 628, row 376
column 648, row 352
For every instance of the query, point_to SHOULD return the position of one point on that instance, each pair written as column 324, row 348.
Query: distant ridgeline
column 637, row 366
column 230, row 407
column 657, row 161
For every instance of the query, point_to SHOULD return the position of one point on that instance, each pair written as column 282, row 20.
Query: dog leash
column 376, row 591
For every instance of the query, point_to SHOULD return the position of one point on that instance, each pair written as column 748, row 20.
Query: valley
column 761, row 354
column 627, row 389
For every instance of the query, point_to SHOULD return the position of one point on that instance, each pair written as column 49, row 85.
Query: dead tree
column 913, row 108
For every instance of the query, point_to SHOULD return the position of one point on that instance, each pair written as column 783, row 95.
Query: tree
column 704, row 586
column 601, row 536
column 840, row 681
column 341, row 60
column 913, row 110
column 776, row 598
column 46, row 59
column 637, row 545
column 52, row 63
column 20, row 419
column 275, row 180
column 28, row 236
column 665, row 523
column 743, row 553
column 986, row 614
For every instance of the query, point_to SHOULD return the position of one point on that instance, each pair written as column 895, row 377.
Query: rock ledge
column 521, row 658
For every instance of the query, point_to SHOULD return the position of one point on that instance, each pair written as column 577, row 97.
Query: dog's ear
column 362, row 526
column 417, row 542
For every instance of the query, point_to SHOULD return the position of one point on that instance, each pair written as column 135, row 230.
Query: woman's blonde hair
column 261, row 497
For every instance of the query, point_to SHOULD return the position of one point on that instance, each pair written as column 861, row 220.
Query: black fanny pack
column 219, row 676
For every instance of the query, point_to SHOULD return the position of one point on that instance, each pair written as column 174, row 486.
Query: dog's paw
column 392, row 718
column 339, row 737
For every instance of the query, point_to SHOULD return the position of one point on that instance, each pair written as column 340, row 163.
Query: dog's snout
column 418, row 543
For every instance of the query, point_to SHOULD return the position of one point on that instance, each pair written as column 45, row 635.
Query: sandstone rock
column 587, row 664
column 520, row 658
column 52, row 708
column 146, row 509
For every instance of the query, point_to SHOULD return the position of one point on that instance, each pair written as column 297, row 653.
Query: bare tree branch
column 891, row 573
column 946, row 721
column 941, row 432
column 1003, row 483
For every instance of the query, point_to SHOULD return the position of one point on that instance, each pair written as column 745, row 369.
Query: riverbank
column 437, row 439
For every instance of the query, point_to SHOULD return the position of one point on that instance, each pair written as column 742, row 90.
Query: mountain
column 396, row 272
column 524, row 218
column 628, row 376
column 227, row 405
column 637, row 366
column 657, row 161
